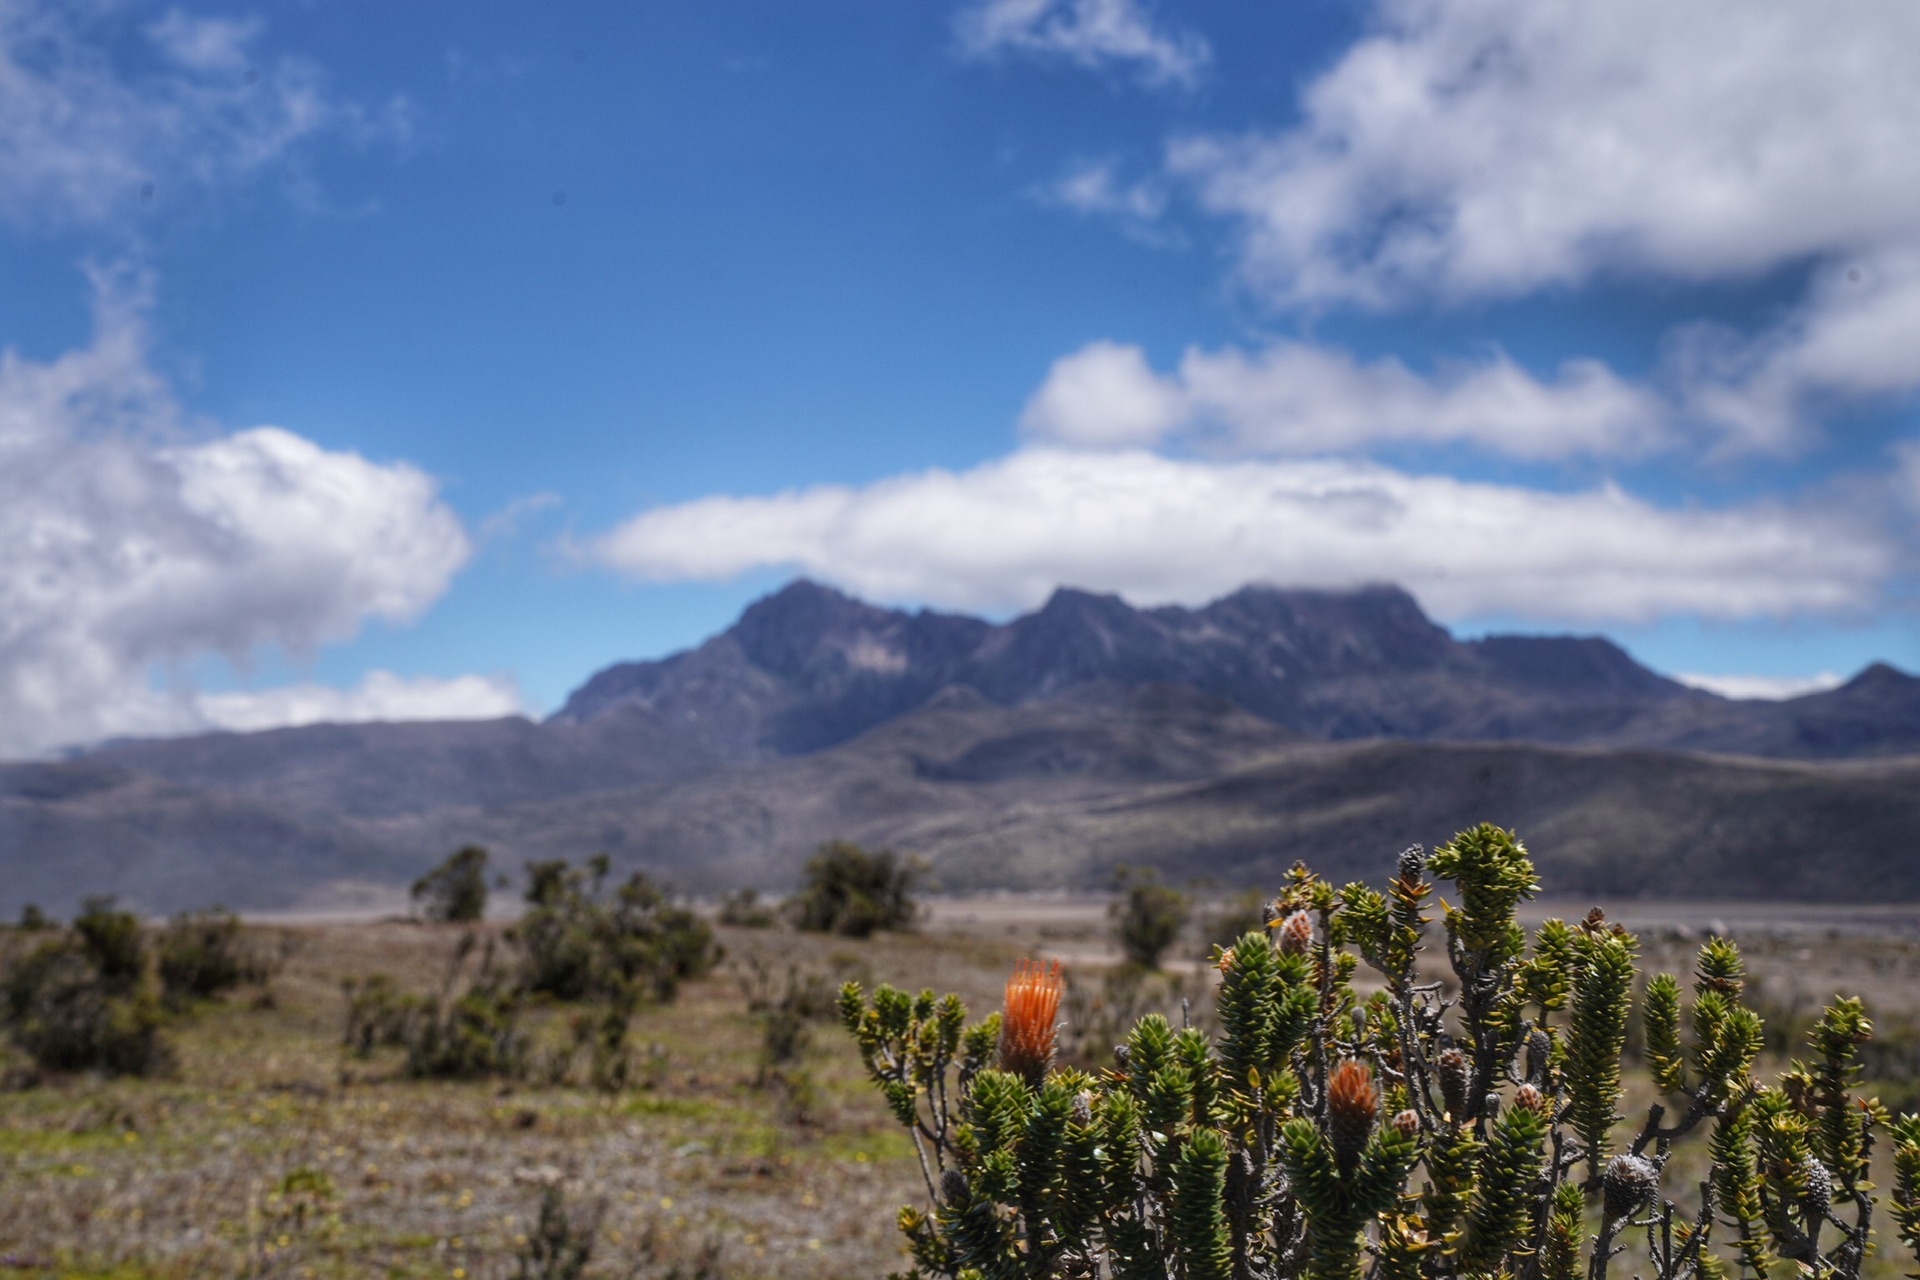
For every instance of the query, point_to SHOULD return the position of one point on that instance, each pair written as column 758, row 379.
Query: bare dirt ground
column 272, row 1153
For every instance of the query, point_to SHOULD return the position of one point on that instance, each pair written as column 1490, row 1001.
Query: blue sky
column 367, row 361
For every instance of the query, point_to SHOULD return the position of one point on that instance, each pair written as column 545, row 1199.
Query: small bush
column 1230, row 919
column 746, row 910
column 455, row 892
column 113, row 942
column 1148, row 917
column 64, row 1014
column 561, row 1242
column 854, row 893
column 379, row 1015
column 204, row 954
column 785, row 1011
column 577, row 942
column 467, row 1037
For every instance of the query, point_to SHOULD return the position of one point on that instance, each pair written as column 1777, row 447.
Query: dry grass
column 700, row 1172
column 195, row 1176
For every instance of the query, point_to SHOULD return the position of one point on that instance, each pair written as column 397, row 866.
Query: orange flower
column 1353, row 1103
column 1027, row 1029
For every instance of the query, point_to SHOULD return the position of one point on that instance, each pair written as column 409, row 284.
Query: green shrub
column 113, row 942
column 854, row 893
column 469, row 1036
column 379, row 1015
column 455, row 892
column 1148, row 916
column 576, row 941
column 203, row 954
column 746, row 910
column 1405, row 1134
column 65, row 1014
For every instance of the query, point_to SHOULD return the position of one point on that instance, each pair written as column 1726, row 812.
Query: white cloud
column 1298, row 398
column 1096, row 189
column 1768, row 688
column 381, row 695
column 1004, row 534
column 1086, row 33
column 130, row 539
column 1491, row 147
column 204, row 44
column 1094, row 186
column 96, row 120
column 1105, row 394
column 1851, row 339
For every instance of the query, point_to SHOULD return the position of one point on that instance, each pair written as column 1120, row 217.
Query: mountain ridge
column 1036, row 751
column 1331, row 664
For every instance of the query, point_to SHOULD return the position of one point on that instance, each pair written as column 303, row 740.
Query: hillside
column 1221, row 741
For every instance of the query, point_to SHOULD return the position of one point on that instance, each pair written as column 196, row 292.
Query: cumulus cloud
column 381, row 695
column 1762, row 688
column 1087, row 33
column 1300, row 398
column 1850, row 340
column 1105, row 394
column 131, row 539
column 1157, row 529
column 1490, row 147
column 99, row 121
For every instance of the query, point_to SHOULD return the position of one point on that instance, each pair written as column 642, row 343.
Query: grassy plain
column 271, row 1153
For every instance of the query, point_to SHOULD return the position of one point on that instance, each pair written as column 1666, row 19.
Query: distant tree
column 1147, row 917
column 33, row 919
column 853, row 893
column 455, row 892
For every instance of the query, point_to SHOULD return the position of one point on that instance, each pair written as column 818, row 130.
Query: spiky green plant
column 1408, row 1134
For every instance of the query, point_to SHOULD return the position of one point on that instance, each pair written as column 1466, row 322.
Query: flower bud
column 1528, row 1098
column 954, row 1188
column 1819, row 1194
column 1413, row 861
column 1407, row 1123
column 1626, row 1184
column 1539, row 1053
column 1296, row 934
column 1353, row 1104
column 1456, row 1077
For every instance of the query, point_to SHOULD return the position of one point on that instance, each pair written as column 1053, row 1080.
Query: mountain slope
column 809, row 667
column 1058, row 792
column 1223, row 740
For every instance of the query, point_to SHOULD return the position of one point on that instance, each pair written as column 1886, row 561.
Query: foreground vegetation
column 1287, row 1145
column 743, row 1142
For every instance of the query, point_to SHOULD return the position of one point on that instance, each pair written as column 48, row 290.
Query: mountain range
column 1221, row 742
